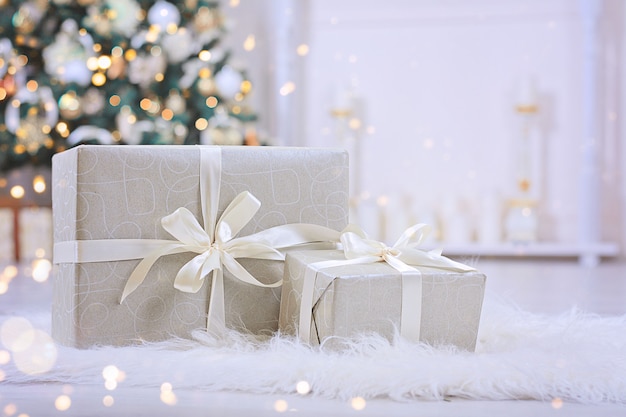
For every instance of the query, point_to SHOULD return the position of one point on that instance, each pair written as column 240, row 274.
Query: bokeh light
column 303, row 387
column 358, row 403
column 287, row 88
column 557, row 403
column 302, row 49
column 17, row 192
column 63, row 403
column 39, row 184
column 249, row 43
column 17, row 334
column 281, row 406
column 167, row 394
column 41, row 270
column 40, row 356
column 10, row 409
column 108, row 401
column 110, row 372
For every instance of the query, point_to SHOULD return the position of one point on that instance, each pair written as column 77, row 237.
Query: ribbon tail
column 216, row 315
column 240, row 272
column 294, row 234
column 191, row 276
column 413, row 236
column 432, row 260
column 306, row 305
column 141, row 270
column 242, row 247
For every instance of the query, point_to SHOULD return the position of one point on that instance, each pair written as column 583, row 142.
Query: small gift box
column 370, row 288
column 133, row 225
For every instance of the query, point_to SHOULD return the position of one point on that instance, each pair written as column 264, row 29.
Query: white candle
column 382, row 203
column 7, row 248
column 527, row 93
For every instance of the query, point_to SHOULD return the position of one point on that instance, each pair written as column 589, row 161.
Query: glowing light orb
column 303, row 387
column 281, row 406
column 63, row 403
column 17, row 334
column 358, row 403
column 40, row 356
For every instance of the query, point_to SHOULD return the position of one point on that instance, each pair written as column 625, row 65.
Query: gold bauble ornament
column 23, row 22
column 251, row 137
column 225, row 136
column 8, row 85
column 176, row 102
column 33, row 132
column 92, row 102
column 117, row 68
column 206, row 19
column 207, row 87
column 28, row 16
column 69, row 106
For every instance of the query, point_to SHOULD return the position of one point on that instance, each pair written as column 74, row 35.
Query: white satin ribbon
column 404, row 256
column 214, row 242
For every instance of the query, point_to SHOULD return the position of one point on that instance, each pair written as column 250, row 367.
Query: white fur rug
column 575, row 357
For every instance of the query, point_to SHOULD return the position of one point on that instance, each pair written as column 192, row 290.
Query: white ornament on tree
column 176, row 102
column 130, row 129
column 222, row 130
column 92, row 101
column 163, row 14
column 126, row 14
column 178, row 46
column 228, row 81
column 66, row 58
column 144, row 68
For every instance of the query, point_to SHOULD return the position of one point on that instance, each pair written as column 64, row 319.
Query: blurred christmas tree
column 116, row 71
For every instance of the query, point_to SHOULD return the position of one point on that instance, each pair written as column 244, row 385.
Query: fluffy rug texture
column 574, row 356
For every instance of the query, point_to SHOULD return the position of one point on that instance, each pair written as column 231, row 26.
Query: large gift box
column 327, row 299
column 131, row 223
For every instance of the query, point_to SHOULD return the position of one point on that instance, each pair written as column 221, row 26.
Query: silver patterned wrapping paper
column 122, row 192
column 354, row 299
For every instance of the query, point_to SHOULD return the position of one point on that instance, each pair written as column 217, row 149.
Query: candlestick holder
column 521, row 221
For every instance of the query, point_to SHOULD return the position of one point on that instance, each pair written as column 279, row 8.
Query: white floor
column 547, row 287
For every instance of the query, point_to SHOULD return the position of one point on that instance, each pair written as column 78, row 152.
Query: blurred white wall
column 435, row 84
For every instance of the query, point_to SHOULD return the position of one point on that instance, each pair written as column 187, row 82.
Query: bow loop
column 184, row 226
column 356, row 246
column 190, row 276
column 413, row 236
column 238, row 213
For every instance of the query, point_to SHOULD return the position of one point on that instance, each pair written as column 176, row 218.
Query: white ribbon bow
column 214, row 248
column 402, row 254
